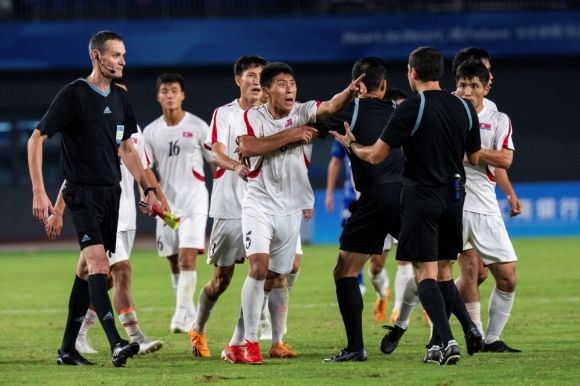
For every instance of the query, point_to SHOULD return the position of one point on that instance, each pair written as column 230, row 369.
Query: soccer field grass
column 545, row 324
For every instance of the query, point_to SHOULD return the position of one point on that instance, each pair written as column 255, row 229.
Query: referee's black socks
column 350, row 303
column 451, row 293
column 102, row 303
column 433, row 302
column 78, row 303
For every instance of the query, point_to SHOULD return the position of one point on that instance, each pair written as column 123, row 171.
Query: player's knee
column 507, row 283
column 482, row 275
column 121, row 272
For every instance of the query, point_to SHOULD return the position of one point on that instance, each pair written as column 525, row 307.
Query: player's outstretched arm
column 251, row 146
column 41, row 205
column 340, row 100
column 373, row 154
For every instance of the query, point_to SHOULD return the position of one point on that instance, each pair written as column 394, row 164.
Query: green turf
column 545, row 324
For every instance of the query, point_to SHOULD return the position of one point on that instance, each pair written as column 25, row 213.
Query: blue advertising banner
column 55, row 45
column 548, row 209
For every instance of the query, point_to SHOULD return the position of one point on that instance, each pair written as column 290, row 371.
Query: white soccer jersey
column 127, row 209
column 178, row 152
column 278, row 182
column 228, row 188
column 487, row 103
column 495, row 129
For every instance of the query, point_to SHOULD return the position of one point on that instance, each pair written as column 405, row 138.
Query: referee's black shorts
column 431, row 224
column 373, row 217
column 94, row 211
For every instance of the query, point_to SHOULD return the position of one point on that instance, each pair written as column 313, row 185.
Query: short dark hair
column 248, row 61
column 394, row 94
column 468, row 53
column 375, row 70
column 170, row 77
column 471, row 69
column 100, row 39
column 428, row 63
column 271, row 70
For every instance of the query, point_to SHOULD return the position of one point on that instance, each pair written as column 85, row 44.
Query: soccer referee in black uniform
column 376, row 213
column 436, row 129
column 95, row 121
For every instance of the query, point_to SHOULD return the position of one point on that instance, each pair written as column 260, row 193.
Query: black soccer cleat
column 432, row 355
column 498, row 346
column 72, row 359
column 348, row 356
column 473, row 340
column 122, row 351
column 450, row 355
column 391, row 340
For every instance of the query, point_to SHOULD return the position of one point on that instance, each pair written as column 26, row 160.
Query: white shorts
column 299, row 250
column 389, row 242
column 226, row 244
column 276, row 236
column 123, row 246
column 190, row 234
column 488, row 235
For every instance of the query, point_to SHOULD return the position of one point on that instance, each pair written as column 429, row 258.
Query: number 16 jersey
column 178, row 152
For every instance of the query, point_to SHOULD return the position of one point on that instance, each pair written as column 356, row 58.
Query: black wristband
column 149, row 189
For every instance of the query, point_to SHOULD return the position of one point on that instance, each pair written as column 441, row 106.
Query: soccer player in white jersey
column 174, row 144
column 226, row 246
column 473, row 272
column 279, row 193
column 483, row 226
column 119, row 260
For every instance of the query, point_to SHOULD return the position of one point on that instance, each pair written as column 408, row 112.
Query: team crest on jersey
column 187, row 134
column 288, row 123
column 484, row 126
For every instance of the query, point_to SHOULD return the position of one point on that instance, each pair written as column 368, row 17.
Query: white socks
column 500, row 307
column 131, row 325
column 278, row 306
column 410, row 301
column 239, row 331
column 474, row 311
column 403, row 275
column 184, row 307
column 174, row 281
column 204, row 307
column 90, row 319
column 380, row 282
column 252, row 300
column 291, row 278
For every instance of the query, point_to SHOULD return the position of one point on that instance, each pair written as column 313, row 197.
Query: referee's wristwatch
column 149, row 189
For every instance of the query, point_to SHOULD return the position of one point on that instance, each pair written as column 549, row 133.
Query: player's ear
column 237, row 80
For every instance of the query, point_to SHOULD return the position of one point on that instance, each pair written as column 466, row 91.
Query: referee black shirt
column 435, row 150
column 367, row 124
column 92, row 124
